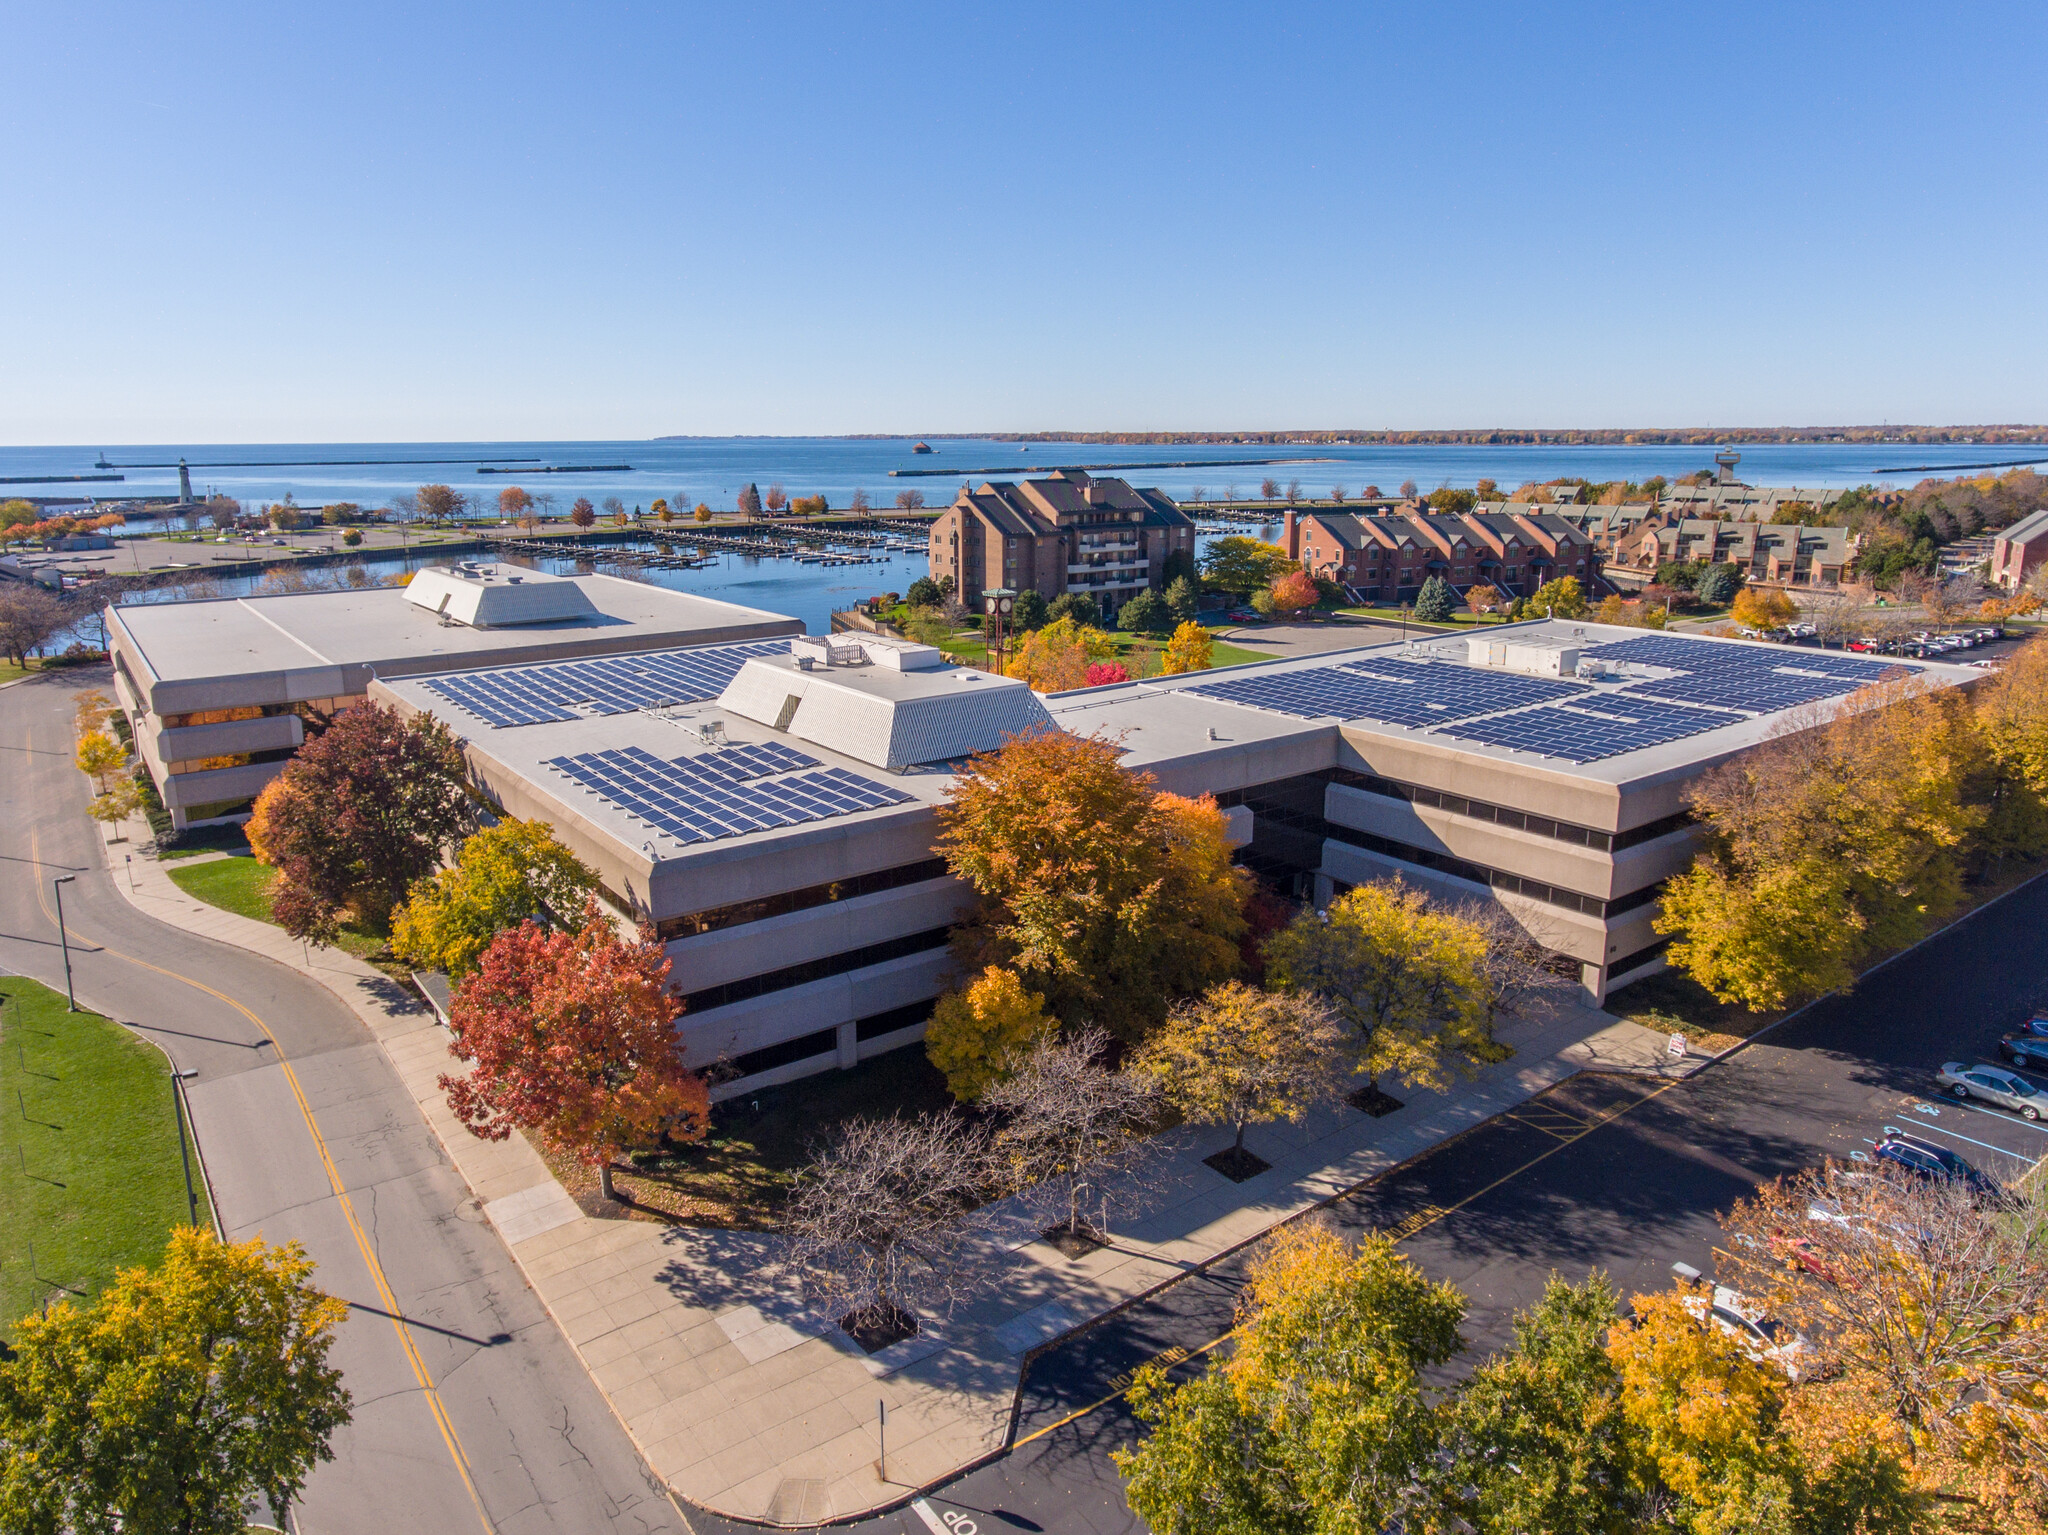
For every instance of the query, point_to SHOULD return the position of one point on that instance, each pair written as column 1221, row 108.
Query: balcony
column 1092, row 567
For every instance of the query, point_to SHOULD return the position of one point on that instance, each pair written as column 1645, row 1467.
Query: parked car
column 2025, row 1050
column 1990, row 1085
column 1925, row 1159
column 1244, row 616
column 2037, row 1025
column 1760, row 1338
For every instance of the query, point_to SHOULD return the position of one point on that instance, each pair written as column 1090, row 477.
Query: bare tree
column 1197, row 493
column 909, row 500
column 224, row 510
column 859, row 504
column 1522, row 964
column 1408, row 490
column 877, row 1220
column 1928, row 1290
column 613, row 506
column 1294, row 490
column 405, row 506
column 1230, row 492
column 1269, row 489
column 1338, row 493
column 29, row 615
column 1071, row 1126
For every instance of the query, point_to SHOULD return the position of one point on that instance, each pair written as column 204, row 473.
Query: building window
column 741, row 912
column 815, row 970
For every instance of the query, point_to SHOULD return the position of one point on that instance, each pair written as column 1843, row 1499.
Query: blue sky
column 365, row 222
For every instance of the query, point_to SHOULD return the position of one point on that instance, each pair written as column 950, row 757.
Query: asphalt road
column 1621, row 1174
column 472, row 1413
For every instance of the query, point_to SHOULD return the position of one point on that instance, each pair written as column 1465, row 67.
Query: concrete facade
column 808, row 947
column 220, row 692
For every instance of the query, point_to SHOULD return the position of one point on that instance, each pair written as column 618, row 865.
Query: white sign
column 1677, row 1046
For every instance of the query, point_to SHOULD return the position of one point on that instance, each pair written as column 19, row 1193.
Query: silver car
column 1993, row 1086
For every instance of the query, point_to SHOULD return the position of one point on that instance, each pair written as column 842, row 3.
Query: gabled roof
column 2027, row 529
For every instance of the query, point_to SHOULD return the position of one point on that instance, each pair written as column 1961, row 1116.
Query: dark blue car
column 1925, row 1159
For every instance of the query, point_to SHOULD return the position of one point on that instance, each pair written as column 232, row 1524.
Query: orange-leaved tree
column 513, row 503
column 572, row 1036
column 1294, row 591
column 1109, row 897
column 582, row 513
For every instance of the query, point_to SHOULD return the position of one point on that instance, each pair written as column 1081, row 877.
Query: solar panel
column 1608, row 725
column 1395, row 692
column 724, row 793
column 532, row 695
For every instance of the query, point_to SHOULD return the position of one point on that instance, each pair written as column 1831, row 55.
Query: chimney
column 1291, row 536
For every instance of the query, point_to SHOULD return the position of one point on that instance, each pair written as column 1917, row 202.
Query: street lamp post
column 64, row 938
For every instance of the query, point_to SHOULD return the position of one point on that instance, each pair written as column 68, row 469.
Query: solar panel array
column 703, row 799
column 1606, row 725
column 1393, row 692
column 1741, row 676
column 533, row 695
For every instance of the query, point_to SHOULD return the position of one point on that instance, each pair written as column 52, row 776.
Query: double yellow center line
column 405, row 1339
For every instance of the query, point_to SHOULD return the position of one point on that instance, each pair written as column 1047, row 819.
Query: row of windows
column 1520, row 820
column 1499, row 879
column 815, row 970
column 716, row 917
column 824, row 1042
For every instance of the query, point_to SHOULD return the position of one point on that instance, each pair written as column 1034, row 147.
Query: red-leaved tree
column 582, row 514
column 572, row 1036
column 362, row 811
column 1104, row 672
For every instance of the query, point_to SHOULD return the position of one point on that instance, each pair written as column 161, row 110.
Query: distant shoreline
column 2007, row 436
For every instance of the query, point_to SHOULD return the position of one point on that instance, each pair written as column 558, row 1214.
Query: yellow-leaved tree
column 98, row 755
column 504, row 874
column 1238, row 1055
column 1409, row 980
column 1189, row 650
column 1756, row 608
column 978, row 1034
column 175, row 1397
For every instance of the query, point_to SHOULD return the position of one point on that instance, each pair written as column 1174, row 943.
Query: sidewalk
column 749, row 1404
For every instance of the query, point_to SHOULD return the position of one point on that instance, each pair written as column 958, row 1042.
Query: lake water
column 714, row 469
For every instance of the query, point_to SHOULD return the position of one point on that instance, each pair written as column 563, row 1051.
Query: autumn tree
column 116, row 803
column 2011, row 710
column 504, row 874
column 878, row 1220
column 1269, row 489
column 361, row 812
column 1106, row 895
column 1190, row 650
column 98, row 755
column 514, row 503
column 660, row 508
column 1318, row 1419
column 1756, row 608
column 1838, row 840
column 1056, row 656
column 1409, row 980
column 1924, row 1301
column 1292, row 592
column 438, row 503
column 1484, row 598
column 1239, row 564
column 909, row 500
column 979, row 1032
column 175, row 1398
column 1068, row 1125
column 29, row 615
column 1710, row 1421
column 1562, row 598
column 1238, row 1055
column 776, row 499
column 1536, row 1439
column 581, row 513
column 749, row 501
column 572, row 1035
column 702, row 513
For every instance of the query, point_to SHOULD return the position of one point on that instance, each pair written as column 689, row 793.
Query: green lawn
column 89, row 1165
column 969, row 646
column 242, row 886
column 1392, row 615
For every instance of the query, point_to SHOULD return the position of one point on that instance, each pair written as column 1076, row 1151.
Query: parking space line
column 1972, row 1106
column 1957, row 1134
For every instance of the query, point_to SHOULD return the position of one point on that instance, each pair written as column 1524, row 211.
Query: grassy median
column 242, row 885
column 90, row 1175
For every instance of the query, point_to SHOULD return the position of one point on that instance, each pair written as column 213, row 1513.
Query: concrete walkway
column 748, row 1403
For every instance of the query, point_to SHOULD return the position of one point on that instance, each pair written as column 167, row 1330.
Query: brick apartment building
column 1788, row 554
column 1067, row 532
column 2019, row 551
column 1385, row 557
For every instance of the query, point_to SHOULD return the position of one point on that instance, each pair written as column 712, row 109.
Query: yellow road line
column 1420, row 1220
column 405, row 1340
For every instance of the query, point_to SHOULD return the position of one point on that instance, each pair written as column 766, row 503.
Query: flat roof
column 1165, row 720
column 231, row 638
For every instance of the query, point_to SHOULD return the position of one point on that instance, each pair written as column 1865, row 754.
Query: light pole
column 997, row 605
column 64, row 938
